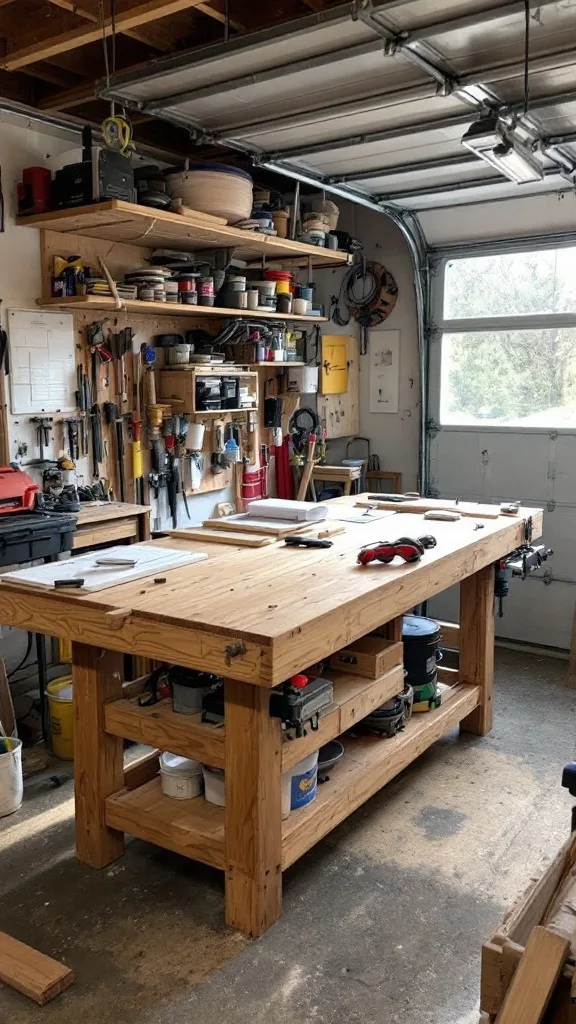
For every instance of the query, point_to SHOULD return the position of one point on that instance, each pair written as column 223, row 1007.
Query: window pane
column 514, row 378
column 511, row 284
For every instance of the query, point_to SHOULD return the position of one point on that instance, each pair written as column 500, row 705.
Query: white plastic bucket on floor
column 181, row 777
column 299, row 784
column 11, row 782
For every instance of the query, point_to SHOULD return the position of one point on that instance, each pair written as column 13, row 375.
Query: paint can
column 181, row 777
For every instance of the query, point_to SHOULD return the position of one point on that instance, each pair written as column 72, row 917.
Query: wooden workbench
column 257, row 616
column 110, row 522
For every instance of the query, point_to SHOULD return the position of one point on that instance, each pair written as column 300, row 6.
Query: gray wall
column 393, row 437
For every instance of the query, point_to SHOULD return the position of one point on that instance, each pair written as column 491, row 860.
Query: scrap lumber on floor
column 535, row 978
column 31, row 972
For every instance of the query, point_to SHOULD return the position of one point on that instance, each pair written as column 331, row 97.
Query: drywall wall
column 393, row 437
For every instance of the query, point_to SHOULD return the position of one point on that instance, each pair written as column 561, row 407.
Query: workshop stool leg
column 98, row 756
column 476, row 664
column 253, row 747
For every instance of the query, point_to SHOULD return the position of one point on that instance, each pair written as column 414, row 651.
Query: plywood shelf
column 118, row 221
column 173, row 309
column 193, row 828
column 368, row 764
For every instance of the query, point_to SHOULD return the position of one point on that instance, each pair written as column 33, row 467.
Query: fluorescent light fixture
column 488, row 140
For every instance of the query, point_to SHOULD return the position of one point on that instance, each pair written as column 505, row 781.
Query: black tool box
column 27, row 533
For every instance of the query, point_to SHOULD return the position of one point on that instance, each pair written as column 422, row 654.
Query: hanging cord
column 226, row 20
column 113, row 25
column 526, row 54
column 24, row 659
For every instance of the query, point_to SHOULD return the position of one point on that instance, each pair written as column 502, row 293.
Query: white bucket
column 298, row 784
column 181, row 777
column 214, row 785
column 11, row 782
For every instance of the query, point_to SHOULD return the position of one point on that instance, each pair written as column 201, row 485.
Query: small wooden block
column 242, row 540
column 535, row 978
column 31, row 972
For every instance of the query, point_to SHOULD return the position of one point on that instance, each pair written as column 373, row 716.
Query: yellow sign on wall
column 334, row 368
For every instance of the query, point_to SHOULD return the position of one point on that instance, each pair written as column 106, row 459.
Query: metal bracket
column 233, row 651
column 433, row 428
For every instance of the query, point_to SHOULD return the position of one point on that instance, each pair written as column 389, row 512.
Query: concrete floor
column 383, row 921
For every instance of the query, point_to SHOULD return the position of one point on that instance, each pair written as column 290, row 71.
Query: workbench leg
column 476, row 665
column 98, row 757
column 253, row 810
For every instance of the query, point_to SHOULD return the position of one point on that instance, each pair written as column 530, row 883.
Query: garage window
column 509, row 340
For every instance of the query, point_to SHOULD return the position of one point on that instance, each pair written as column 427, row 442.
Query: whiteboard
column 42, row 362
column 149, row 561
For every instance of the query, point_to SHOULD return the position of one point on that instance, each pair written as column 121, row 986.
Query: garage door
column 503, row 410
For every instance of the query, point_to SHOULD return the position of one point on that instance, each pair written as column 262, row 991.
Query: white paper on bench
column 149, row 562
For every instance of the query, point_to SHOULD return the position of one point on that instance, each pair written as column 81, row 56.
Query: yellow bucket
column 59, row 693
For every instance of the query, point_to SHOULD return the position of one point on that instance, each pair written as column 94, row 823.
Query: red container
column 34, row 190
column 253, row 483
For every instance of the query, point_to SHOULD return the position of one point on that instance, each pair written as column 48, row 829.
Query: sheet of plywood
column 248, row 523
column 201, row 533
column 31, row 972
column 465, row 508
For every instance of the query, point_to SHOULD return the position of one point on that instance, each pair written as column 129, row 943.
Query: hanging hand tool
column 73, row 432
column 96, row 434
column 307, row 472
column 137, row 464
column 112, row 417
column 43, row 429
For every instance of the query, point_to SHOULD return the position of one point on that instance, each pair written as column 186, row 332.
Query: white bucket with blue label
column 299, row 784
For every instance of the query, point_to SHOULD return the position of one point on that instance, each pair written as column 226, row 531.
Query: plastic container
column 299, row 784
column 421, row 637
column 218, row 189
column 61, row 709
column 214, row 790
column 11, row 782
column 181, row 777
column 188, row 691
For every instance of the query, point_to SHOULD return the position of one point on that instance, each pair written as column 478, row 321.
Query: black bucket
column 421, row 637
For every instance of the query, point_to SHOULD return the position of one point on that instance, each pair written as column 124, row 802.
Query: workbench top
column 100, row 511
column 268, row 611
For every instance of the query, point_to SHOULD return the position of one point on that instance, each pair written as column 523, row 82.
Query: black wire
column 24, row 659
column 526, row 53
column 226, row 20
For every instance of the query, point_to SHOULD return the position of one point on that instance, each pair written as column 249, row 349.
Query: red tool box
column 28, row 533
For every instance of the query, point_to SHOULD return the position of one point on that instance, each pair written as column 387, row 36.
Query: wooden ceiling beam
column 152, row 10
column 66, row 99
column 91, row 14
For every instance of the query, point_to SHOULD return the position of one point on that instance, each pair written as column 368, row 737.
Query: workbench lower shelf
column 195, row 828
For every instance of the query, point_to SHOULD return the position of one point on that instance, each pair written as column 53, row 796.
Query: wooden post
column 253, row 810
column 477, row 645
column 98, row 757
column 394, row 629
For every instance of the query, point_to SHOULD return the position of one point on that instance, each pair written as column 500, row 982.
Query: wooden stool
column 376, row 481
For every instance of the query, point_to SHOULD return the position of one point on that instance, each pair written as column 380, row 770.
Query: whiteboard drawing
column 384, row 371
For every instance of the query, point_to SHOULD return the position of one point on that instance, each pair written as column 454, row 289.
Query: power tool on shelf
column 410, row 549
column 299, row 701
